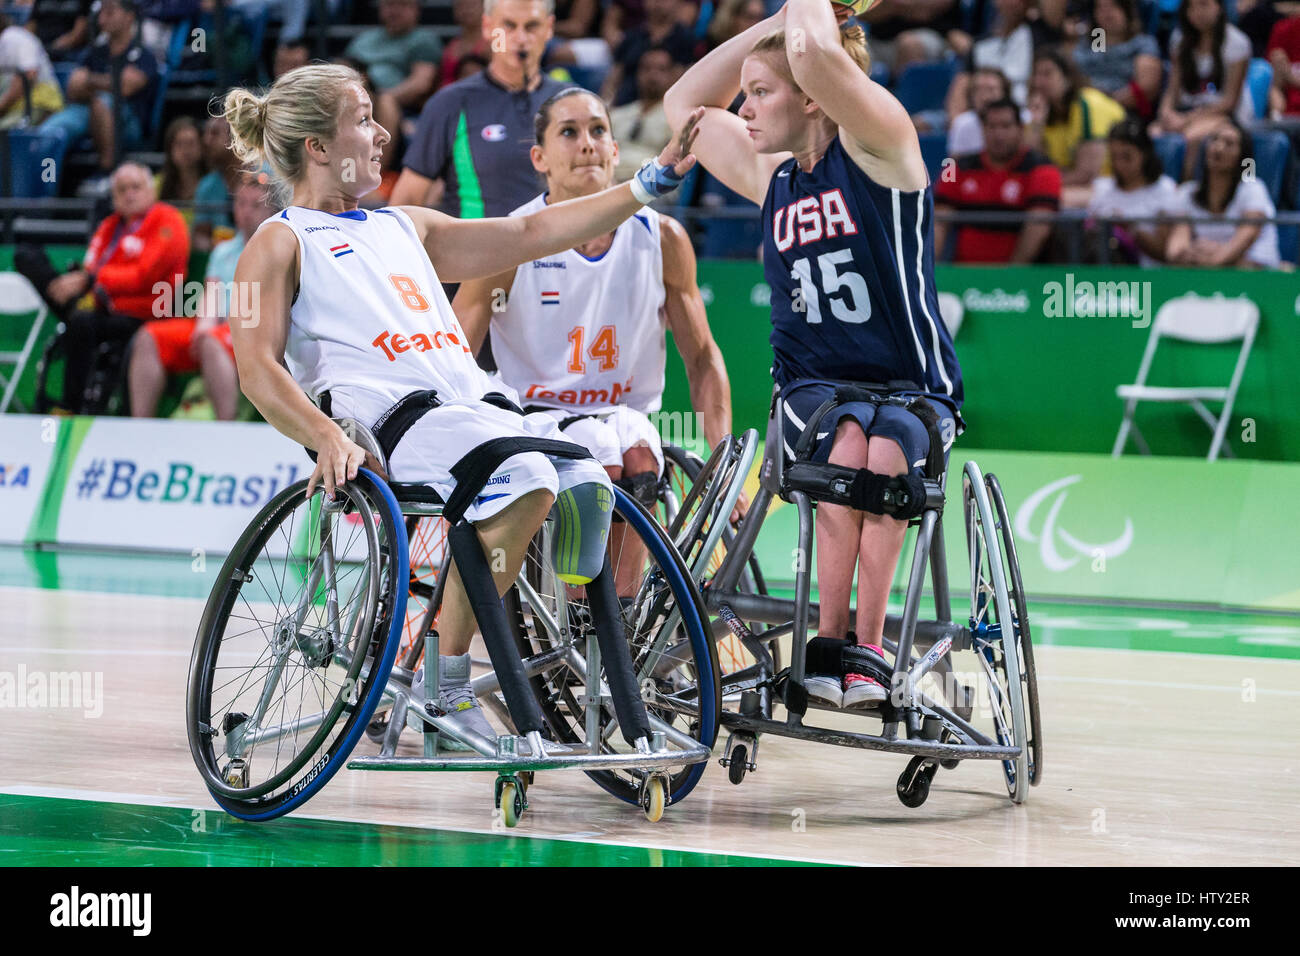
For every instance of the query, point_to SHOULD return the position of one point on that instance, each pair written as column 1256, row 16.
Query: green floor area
column 49, row 831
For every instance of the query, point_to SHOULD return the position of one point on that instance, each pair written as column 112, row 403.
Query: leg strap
column 611, row 634
column 899, row 496
column 490, row 613
column 644, row 487
column 473, row 470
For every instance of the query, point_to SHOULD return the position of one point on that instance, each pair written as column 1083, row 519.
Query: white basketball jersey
column 371, row 323
column 586, row 334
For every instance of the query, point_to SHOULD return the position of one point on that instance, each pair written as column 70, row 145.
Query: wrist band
column 652, row 181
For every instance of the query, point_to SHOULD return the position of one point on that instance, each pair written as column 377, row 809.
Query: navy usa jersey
column 851, row 268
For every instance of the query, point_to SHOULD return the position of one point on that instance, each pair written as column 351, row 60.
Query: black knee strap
column 899, row 496
column 644, row 487
column 397, row 421
column 476, row 467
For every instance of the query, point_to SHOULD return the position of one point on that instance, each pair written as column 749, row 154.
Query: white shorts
column 444, row 435
column 609, row 434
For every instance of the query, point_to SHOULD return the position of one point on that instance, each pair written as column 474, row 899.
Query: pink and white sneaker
column 861, row 691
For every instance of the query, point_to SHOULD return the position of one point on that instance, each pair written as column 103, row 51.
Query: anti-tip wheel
column 654, row 797
column 512, row 803
column 739, row 759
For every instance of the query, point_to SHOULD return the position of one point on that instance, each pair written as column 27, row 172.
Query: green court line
column 57, row 831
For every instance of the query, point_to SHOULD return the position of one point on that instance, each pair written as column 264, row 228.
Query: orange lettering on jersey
column 588, row 396
column 393, row 344
column 410, row 292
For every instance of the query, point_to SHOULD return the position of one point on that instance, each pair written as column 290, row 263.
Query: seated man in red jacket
column 143, row 243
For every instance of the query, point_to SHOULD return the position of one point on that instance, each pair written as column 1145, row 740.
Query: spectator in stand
column 176, row 346
column 29, row 90
column 1207, row 78
column 966, row 131
column 143, row 243
column 904, row 32
column 473, row 137
column 159, row 18
column 472, row 40
column 1257, row 18
column 183, row 167
column 289, row 56
column 1006, row 177
column 575, row 42
column 641, row 127
column 212, row 224
column 1222, row 194
column 1017, row 32
column 734, row 17
column 1069, row 123
column 62, row 27
column 662, row 27
column 400, row 60
column 1137, row 189
column 1120, row 60
column 1284, row 55
column 90, row 86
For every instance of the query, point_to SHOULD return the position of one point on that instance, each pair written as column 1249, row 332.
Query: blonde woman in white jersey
column 351, row 312
column 580, row 334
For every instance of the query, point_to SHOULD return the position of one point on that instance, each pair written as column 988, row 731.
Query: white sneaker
column 824, row 689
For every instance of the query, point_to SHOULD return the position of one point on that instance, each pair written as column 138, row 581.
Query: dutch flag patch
column 551, row 298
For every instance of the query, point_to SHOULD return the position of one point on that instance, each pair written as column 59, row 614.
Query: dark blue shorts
column 805, row 396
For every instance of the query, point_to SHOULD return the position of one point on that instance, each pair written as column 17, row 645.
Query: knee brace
column 583, row 514
column 644, row 487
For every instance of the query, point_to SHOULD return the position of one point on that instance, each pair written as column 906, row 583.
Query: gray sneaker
column 455, row 700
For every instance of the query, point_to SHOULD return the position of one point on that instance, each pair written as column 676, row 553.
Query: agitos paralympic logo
column 1052, row 536
column 120, row 479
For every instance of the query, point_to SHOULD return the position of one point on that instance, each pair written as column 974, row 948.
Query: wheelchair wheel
column 1025, row 646
column 681, row 477
column 992, row 621
column 672, row 650
column 295, row 646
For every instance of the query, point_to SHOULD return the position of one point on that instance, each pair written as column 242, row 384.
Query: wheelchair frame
column 933, row 733
column 513, row 757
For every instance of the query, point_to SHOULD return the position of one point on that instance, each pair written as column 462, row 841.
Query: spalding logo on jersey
column 494, row 133
column 819, row 217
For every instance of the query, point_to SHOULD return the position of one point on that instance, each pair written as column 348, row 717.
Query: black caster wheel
column 377, row 728
column 914, row 782
column 739, row 760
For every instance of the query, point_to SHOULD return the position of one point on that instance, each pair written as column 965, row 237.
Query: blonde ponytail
column 271, row 129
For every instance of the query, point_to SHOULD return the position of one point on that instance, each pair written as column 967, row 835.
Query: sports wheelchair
column 933, row 733
column 297, row 654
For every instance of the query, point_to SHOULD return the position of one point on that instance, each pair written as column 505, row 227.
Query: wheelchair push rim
column 991, row 617
column 295, row 646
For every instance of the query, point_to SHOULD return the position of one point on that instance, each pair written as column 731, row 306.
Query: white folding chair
column 18, row 299
column 951, row 311
column 1200, row 320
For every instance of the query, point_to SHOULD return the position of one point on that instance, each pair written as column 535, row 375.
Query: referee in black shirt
column 474, row 135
